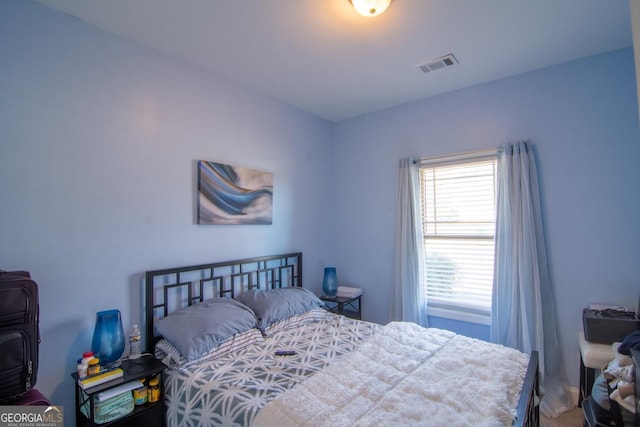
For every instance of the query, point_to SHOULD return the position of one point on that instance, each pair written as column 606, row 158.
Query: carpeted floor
column 571, row 418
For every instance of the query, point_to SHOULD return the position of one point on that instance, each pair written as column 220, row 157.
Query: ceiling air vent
column 436, row 64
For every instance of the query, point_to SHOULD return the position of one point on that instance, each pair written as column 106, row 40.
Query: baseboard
column 575, row 394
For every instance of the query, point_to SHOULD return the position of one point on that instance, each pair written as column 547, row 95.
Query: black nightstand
column 350, row 307
column 148, row 414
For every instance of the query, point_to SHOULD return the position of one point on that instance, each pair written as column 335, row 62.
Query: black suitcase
column 19, row 334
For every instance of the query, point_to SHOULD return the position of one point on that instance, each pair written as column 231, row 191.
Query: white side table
column 592, row 356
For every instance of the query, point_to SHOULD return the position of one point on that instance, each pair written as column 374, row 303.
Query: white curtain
column 408, row 299
column 523, row 310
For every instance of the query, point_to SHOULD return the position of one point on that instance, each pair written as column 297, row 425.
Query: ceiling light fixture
column 370, row 7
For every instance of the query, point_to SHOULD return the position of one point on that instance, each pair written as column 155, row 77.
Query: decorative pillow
column 170, row 356
column 197, row 329
column 311, row 316
column 274, row 305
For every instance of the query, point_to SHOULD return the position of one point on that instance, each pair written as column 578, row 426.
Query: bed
column 222, row 327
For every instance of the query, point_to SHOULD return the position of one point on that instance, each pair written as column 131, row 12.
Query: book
column 123, row 388
column 100, row 378
column 349, row 292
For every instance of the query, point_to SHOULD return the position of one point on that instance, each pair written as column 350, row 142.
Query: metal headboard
column 171, row 289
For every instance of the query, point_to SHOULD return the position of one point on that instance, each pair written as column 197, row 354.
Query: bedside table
column 347, row 306
column 148, row 414
column 592, row 357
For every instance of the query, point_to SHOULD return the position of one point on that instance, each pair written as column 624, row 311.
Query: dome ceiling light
column 370, row 7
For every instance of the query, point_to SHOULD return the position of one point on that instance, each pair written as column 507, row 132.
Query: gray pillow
column 273, row 305
column 197, row 329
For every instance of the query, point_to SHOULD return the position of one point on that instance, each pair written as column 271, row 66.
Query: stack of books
column 348, row 292
column 101, row 377
column 118, row 390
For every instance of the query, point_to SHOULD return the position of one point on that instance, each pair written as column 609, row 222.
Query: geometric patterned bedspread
column 232, row 389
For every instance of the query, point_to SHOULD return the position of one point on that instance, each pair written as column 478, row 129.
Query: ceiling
column 321, row 56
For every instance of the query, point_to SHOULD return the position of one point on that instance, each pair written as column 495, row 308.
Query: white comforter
column 407, row 375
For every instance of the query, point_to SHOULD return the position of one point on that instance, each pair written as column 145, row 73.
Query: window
column 458, row 222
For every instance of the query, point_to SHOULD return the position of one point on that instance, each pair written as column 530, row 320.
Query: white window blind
column 458, row 219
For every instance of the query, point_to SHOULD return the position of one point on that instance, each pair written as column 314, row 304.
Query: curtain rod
column 460, row 156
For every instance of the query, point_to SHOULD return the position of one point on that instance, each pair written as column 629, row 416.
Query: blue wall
column 99, row 138
column 582, row 117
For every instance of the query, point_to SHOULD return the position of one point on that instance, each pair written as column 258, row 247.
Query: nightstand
column 347, row 306
column 592, row 357
column 147, row 414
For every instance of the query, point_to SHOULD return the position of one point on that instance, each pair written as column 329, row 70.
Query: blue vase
column 330, row 282
column 108, row 338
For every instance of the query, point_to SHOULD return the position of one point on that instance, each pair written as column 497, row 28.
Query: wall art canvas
column 234, row 195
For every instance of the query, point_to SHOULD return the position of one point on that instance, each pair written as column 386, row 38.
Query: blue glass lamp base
column 330, row 282
column 108, row 338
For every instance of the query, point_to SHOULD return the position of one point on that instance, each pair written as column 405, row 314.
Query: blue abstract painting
column 234, row 195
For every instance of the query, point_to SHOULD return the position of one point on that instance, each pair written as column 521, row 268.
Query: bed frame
column 635, row 355
column 171, row 289
column 528, row 410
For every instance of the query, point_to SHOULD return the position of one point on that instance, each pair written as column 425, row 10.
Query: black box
column 603, row 327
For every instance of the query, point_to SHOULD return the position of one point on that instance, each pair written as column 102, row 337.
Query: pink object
column 32, row 398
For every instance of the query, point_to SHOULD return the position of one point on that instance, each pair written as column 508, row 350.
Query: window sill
column 461, row 315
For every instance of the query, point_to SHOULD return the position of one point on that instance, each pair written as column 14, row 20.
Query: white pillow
column 170, row 356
